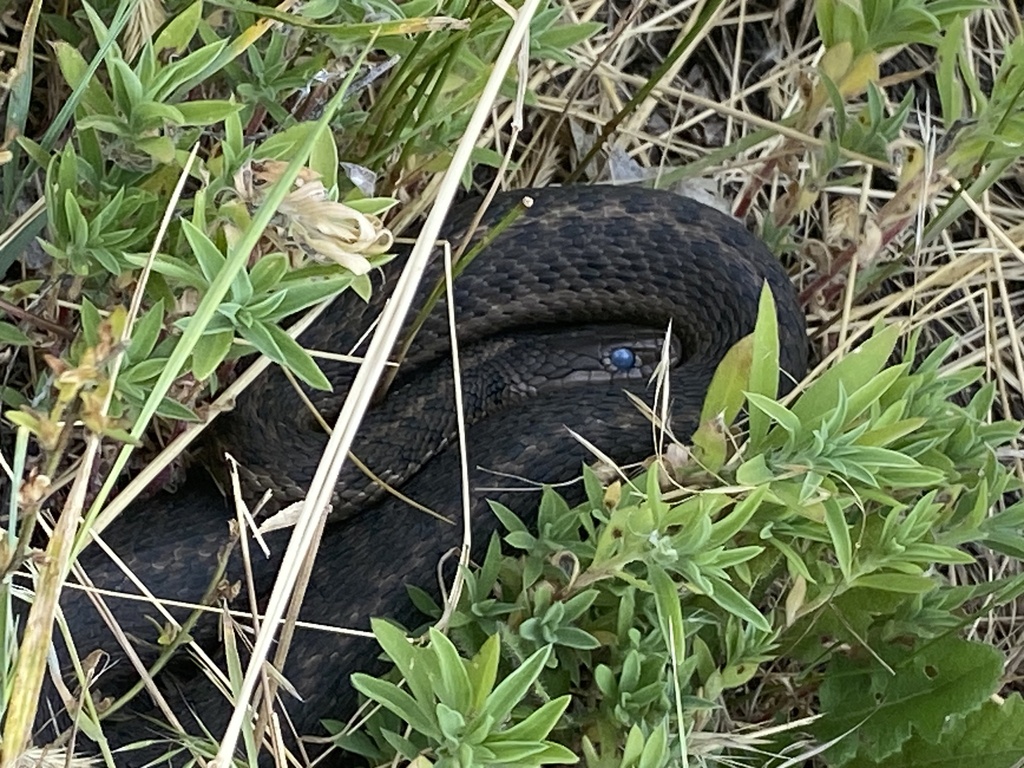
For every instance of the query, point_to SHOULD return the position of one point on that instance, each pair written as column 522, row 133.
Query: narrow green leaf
column 764, row 364
column 839, row 531
column 513, row 688
column 903, row 583
column 396, row 700
column 483, row 670
column 271, row 341
column 670, row 611
column 725, row 595
column 452, row 684
column 9, row 334
column 537, row 726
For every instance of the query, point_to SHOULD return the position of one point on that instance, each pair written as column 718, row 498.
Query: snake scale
column 559, row 315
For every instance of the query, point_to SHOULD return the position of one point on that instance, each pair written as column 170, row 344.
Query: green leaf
column 877, row 707
column 207, row 112
column 764, row 365
column 195, row 66
column 267, row 272
column 839, row 531
column 146, row 332
column 180, row 30
column 670, row 611
column 283, row 349
column 725, row 595
column 896, row 582
column 725, row 394
column 851, row 373
column 483, row 670
column 9, row 334
column 727, row 526
column 406, row 658
column 398, row 701
column 452, row 685
column 513, row 688
column 209, row 352
column 989, row 737
column 211, row 261
column 537, row 726
column 778, row 413
column 307, row 293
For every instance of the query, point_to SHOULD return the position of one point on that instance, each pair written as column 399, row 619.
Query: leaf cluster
column 809, row 544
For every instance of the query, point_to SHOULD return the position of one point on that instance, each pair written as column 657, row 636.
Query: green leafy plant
column 799, row 567
column 457, row 709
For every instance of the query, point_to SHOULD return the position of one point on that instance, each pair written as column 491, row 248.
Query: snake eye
column 622, row 358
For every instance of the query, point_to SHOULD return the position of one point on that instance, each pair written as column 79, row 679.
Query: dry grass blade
column 303, row 540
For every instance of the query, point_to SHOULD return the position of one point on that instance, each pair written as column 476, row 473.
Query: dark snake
column 560, row 315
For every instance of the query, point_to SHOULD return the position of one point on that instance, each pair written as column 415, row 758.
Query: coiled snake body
column 558, row 316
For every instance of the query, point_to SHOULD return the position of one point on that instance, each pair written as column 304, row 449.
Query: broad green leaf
column 209, row 352
column 989, row 737
column 146, row 332
column 452, row 684
column 851, row 373
column 207, row 254
column 725, row 394
column 407, row 658
column 160, row 148
column 483, row 670
column 180, row 30
column 267, row 272
column 878, row 706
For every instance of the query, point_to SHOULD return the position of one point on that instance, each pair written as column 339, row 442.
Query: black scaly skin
column 580, row 259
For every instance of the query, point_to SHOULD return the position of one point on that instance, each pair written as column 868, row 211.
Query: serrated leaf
column 917, row 691
column 989, row 737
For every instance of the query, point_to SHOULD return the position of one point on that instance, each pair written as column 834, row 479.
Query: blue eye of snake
column 622, row 358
